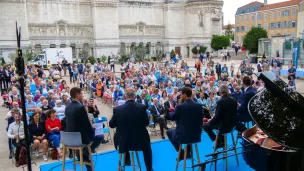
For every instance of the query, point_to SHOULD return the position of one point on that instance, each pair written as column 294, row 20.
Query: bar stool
column 73, row 141
column 185, row 155
column 122, row 165
column 225, row 147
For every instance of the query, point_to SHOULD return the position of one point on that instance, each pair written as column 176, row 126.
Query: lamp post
column 20, row 71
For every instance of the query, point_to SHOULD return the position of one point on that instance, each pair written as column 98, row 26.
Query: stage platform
column 164, row 159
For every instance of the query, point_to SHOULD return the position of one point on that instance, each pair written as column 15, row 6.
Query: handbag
column 54, row 154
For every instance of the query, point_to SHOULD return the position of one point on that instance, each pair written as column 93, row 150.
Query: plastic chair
column 29, row 114
column 73, row 141
column 152, row 124
column 106, row 129
column 60, row 115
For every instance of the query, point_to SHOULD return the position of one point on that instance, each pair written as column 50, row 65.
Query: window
column 285, row 24
column 237, row 29
column 247, row 17
column 266, row 16
column 259, row 25
column 279, row 25
column 266, row 26
column 272, row 14
column 242, row 18
column 253, row 18
column 259, row 17
column 279, row 14
column 291, row 34
column 272, row 26
column 293, row 24
column 237, row 19
column 286, row 13
column 242, row 28
column 293, row 11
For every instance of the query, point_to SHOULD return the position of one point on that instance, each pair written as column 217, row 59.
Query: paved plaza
column 105, row 110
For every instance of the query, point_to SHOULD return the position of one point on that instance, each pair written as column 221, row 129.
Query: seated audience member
column 38, row 135
column 157, row 112
column 142, row 99
column 65, row 99
column 39, row 103
column 53, row 128
column 16, row 133
column 92, row 108
column 59, row 108
column 225, row 116
column 15, row 106
column 44, row 89
column 45, row 106
column 242, row 111
column 237, row 94
column 10, row 120
column 188, row 117
column 30, row 105
column 52, row 103
column 169, row 106
column 37, row 96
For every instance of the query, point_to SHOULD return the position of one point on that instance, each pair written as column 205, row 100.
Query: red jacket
column 49, row 124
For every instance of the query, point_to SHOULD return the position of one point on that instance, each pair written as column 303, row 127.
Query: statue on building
column 201, row 19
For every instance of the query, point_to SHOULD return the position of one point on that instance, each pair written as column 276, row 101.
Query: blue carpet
column 164, row 156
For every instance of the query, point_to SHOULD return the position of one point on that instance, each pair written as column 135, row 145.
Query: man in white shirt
column 16, row 133
column 276, row 69
column 15, row 106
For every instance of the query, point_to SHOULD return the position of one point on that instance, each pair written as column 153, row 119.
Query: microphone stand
column 20, row 71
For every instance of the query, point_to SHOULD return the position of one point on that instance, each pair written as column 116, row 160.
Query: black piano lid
column 279, row 112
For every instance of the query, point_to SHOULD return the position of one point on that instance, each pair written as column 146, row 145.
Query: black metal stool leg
column 225, row 153
column 138, row 160
column 185, row 158
column 192, row 160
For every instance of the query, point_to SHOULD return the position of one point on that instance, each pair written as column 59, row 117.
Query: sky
column 230, row 7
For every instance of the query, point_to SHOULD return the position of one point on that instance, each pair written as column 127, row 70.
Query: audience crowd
column 157, row 86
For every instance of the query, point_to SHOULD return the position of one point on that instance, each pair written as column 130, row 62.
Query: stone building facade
column 105, row 27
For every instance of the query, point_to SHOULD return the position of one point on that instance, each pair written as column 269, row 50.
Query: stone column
column 190, row 52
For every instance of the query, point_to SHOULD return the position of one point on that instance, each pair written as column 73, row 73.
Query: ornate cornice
column 79, row 2
column 54, row 25
column 104, row 3
column 13, row 1
column 218, row 4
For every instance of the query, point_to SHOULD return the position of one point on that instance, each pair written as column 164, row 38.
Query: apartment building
column 278, row 18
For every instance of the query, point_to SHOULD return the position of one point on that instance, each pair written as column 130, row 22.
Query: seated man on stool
column 242, row 111
column 225, row 116
column 157, row 111
column 130, row 121
column 188, row 117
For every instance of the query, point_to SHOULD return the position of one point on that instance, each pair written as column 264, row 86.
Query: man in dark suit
column 142, row 99
column 130, row 121
column 77, row 121
column 218, row 70
column 169, row 105
column 157, row 111
column 242, row 111
column 225, row 116
column 188, row 117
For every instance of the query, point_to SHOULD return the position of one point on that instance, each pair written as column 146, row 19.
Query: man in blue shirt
column 292, row 75
column 30, row 105
column 169, row 89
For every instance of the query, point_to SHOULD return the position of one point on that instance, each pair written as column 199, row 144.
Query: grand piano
column 276, row 142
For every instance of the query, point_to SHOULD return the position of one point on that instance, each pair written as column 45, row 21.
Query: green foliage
column 92, row 59
column 172, row 53
column 83, row 54
column 194, row 50
column 228, row 30
column 202, row 49
column 232, row 37
column 29, row 55
column 98, row 60
column 148, row 49
column 12, row 56
column 140, row 52
column 2, row 58
column 220, row 42
column 288, row 45
column 103, row 59
column 251, row 39
column 123, row 58
column 154, row 58
column 109, row 58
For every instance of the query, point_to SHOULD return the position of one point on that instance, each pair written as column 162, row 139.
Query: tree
column 251, row 39
column 2, row 58
column 202, row 49
column 84, row 54
column 220, row 42
column 172, row 54
column 194, row 50
column 99, row 60
column 92, row 59
column 140, row 52
column 29, row 55
column 228, row 30
column 103, row 59
column 12, row 56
